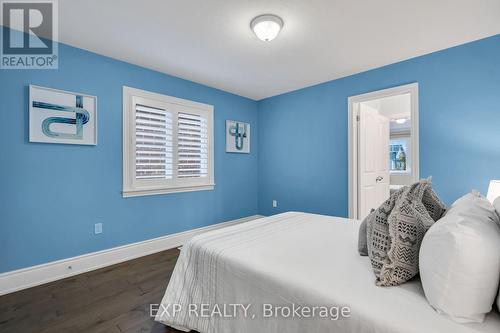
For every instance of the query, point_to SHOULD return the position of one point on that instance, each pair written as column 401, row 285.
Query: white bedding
column 294, row 258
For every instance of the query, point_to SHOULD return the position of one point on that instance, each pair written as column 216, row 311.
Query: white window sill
column 155, row 191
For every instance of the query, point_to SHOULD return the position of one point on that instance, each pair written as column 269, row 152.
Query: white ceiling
column 394, row 107
column 210, row 42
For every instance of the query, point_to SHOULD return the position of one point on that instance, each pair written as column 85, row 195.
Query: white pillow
column 460, row 260
column 496, row 204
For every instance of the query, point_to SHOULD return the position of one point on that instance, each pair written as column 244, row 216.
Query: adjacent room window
column 167, row 144
column 399, row 155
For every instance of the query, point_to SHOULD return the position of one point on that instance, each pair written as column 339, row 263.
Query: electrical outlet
column 275, row 203
column 98, row 228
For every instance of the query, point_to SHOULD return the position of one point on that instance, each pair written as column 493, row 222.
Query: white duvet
column 232, row 279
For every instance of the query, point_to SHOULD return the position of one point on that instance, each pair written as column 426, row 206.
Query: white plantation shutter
column 192, row 146
column 167, row 144
column 153, row 143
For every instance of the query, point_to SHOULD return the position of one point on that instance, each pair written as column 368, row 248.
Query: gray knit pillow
column 395, row 230
column 362, row 245
column 435, row 207
column 377, row 232
column 408, row 223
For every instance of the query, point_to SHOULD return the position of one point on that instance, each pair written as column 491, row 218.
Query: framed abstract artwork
column 237, row 137
column 57, row 116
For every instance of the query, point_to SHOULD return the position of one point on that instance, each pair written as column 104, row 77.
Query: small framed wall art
column 58, row 116
column 237, row 137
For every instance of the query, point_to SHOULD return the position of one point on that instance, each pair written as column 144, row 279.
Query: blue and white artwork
column 58, row 116
column 237, row 137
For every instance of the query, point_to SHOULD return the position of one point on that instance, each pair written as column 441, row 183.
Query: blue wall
column 51, row 195
column 303, row 134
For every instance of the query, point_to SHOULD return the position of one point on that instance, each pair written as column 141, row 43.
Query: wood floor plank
column 114, row 299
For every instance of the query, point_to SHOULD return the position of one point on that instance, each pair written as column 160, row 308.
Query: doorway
column 383, row 146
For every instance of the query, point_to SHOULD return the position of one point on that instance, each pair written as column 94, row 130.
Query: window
column 400, row 155
column 167, row 144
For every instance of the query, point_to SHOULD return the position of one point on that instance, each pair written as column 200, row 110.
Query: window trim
column 132, row 188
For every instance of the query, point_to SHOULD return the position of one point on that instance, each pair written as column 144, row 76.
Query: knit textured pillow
column 435, row 207
column 377, row 232
column 408, row 223
column 362, row 245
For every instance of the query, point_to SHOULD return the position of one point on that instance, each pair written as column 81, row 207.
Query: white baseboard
column 36, row 275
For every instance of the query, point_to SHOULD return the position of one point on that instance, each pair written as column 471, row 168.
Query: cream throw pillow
column 496, row 204
column 460, row 260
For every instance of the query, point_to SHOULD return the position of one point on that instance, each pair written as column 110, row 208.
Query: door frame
column 353, row 135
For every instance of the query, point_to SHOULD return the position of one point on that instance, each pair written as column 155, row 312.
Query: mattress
column 253, row 277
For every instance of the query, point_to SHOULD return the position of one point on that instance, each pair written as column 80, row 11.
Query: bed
column 293, row 258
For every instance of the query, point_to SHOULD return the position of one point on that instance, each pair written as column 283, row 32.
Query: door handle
column 379, row 178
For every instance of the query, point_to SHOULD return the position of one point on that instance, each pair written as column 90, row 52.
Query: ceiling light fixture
column 266, row 27
column 401, row 120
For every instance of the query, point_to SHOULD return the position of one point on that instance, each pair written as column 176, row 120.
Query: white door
column 374, row 178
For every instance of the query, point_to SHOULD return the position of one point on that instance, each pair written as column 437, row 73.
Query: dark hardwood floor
column 113, row 299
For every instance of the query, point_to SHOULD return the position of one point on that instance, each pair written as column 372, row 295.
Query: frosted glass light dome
column 266, row 27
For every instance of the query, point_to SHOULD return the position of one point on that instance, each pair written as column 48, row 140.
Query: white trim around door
column 353, row 134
